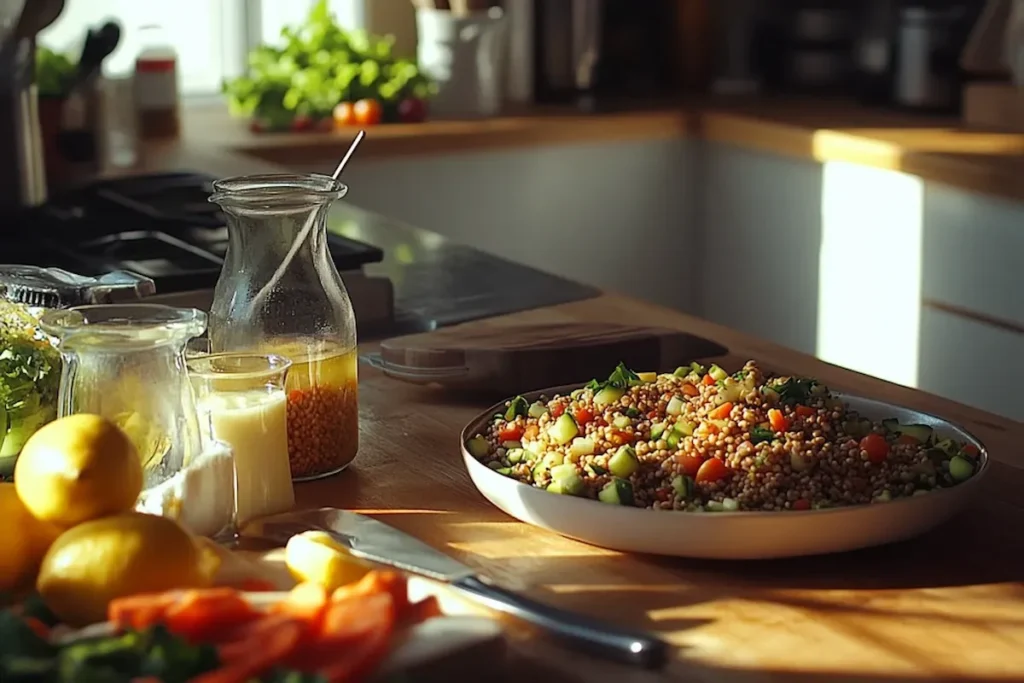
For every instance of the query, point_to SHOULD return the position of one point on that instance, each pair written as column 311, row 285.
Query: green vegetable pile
column 54, row 71
column 319, row 65
column 29, row 380
column 26, row 657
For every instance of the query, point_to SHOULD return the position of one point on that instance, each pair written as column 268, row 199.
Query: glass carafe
column 127, row 363
column 279, row 293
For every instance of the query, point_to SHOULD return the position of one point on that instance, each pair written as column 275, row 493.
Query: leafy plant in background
column 319, row 65
column 54, row 71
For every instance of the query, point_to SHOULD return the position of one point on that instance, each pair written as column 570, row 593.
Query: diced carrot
column 38, row 627
column 365, row 626
column 254, row 585
column 421, row 610
column 708, row 380
column 690, row 390
column 141, row 611
column 805, row 411
column 231, row 640
column 377, row 581
column 260, row 653
column 721, row 412
column 201, row 614
column 351, row 618
column 307, row 601
column 777, row 420
column 531, row 432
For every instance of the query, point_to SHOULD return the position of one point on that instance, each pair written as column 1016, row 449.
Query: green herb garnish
column 517, row 407
column 759, row 434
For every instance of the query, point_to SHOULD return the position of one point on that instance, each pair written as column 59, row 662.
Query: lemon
column 125, row 554
column 78, row 468
column 316, row 557
column 26, row 540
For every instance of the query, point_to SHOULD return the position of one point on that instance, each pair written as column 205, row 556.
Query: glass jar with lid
column 280, row 293
column 30, row 366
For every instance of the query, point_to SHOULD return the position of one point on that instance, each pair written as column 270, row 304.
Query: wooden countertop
column 947, row 606
column 934, row 148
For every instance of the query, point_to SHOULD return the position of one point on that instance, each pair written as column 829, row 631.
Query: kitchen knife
column 373, row 540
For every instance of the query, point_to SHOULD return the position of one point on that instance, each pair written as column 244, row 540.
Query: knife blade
column 373, row 540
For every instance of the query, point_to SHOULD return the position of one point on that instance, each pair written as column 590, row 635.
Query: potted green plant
column 321, row 76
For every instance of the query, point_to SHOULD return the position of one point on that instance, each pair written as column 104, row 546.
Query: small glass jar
column 30, row 366
column 241, row 402
column 280, row 293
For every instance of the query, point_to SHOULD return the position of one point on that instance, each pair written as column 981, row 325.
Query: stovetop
column 160, row 226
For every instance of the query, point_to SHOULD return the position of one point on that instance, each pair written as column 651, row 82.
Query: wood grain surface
column 519, row 358
column 946, row 606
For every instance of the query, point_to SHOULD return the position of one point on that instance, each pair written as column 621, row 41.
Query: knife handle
column 587, row 635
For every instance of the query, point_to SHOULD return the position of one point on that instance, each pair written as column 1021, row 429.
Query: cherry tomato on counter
column 368, row 112
column 344, row 114
column 302, row 123
column 412, row 110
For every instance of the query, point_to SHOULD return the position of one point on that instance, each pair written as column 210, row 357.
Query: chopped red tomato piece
column 711, row 470
column 801, row 504
column 805, row 411
column 690, row 463
column 876, row 447
column 583, row 415
column 557, row 409
column 971, row 450
column 512, row 432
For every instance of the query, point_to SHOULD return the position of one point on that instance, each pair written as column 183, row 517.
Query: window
column 212, row 37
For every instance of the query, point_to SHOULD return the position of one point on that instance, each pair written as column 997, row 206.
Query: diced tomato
column 690, row 390
column 531, row 432
column 721, row 412
column 777, row 420
column 711, row 470
column 690, row 463
column 801, row 504
column 805, row 411
column 653, row 415
column 708, row 380
column 512, row 432
column 907, row 439
column 583, row 415
column 620, row 438
column 663, row 494
column 557, row 409
column 971, row 450
column 876, row 447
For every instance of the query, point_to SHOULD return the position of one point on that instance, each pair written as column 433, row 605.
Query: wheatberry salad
column 701, row 439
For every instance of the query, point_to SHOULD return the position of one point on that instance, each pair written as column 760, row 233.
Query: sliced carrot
column 307, row 602
column 690, row 390
column 141, row 611
column 356, row 637
column 377, row 581
column 708, row 380
column 350, row 618
column 38, row 627
column 422, row 610
column 261, row 653
column 360, row 659
column 231, row 642
column 721, row 412
column 201, row 614
column 777, row 420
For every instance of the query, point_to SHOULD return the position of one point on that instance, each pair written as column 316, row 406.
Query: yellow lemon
column 78, row 468
column 316, row 557
column 126, row 554
column 26, row 540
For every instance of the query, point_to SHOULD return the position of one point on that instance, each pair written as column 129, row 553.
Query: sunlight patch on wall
column 869, row 282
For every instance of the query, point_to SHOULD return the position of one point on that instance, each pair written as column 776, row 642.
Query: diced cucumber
column 555, row 487
column 891, row 425
column 948, row 446
column 730, row 392
column 675, row 406
column 857, row 428
column 657, row 430
column 564, row 430
column 673, row 439
column 621, row 421
column 535, row 447
column 917, row 431
column 478, row 446
column 596, row 469
column 607, row 396
column 960, row 468
column 504, row 471
column 569, row 478
column 717, row 373
column 537, row 410
column 616, row 492
column 714, row 506
column 494, row 465
column 517, row 407
column 696, row 368
column 730, row 505
column 544, row 466
column 682, row 371
column 576, row 393
column 647, row 376
column 581, row 446
column 624, row 463
column 509, row 445
column 684, row 427
column 683, row 486
column 516, row 455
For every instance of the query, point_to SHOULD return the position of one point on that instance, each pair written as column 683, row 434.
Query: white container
column 466, row 57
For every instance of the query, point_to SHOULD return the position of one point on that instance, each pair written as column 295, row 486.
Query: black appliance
column 160, row 226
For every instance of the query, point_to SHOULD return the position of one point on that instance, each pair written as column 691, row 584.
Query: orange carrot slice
column 377, row 581
column 307, row 601
column 199, row 615
column 141, row 611
column 262, row 652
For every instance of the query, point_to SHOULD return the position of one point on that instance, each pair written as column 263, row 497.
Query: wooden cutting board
column 510, row 359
